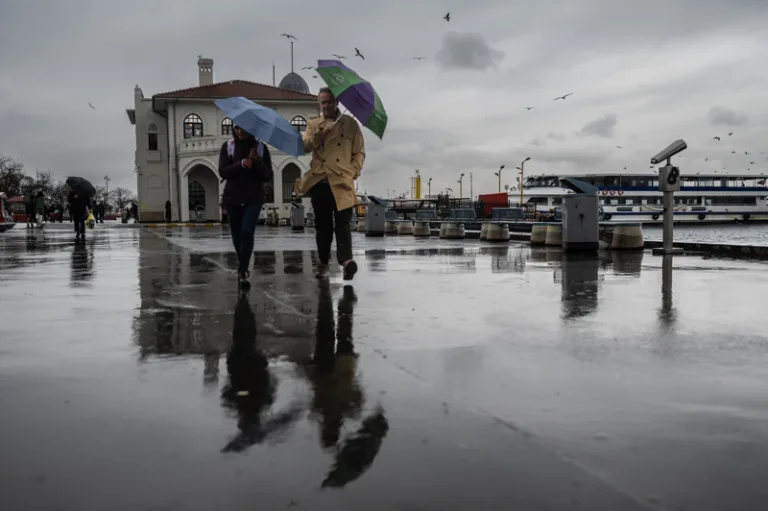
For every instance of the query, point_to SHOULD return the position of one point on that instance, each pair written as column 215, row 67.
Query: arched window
column 193, row 126
column 226, row 126
column 196, row 195
column 300, row 123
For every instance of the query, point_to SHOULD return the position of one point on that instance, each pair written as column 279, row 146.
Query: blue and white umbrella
column 263, row 123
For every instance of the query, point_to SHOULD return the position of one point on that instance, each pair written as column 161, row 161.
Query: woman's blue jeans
column 242, row 222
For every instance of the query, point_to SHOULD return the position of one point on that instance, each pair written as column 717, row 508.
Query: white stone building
column 179, row 135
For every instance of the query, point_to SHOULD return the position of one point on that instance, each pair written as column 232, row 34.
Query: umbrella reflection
column 251, row 388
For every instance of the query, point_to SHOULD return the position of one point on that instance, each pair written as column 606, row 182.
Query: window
column 226, row 126
column 300, row 123
column 152, row 128
column 193, row 126
column 196, row 195
column 152, row 141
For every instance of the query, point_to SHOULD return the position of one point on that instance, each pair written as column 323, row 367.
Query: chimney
column 205, row 70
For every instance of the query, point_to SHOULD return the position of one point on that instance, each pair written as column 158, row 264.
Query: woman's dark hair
column 248, row 136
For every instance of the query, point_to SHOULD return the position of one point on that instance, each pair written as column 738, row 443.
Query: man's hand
column 297, row 188
column 253, row 154
column 247, row 163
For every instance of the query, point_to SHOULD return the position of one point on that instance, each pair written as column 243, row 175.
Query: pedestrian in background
column 80, row 206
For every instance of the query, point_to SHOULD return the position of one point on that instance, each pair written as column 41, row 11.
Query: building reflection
column 580, row 284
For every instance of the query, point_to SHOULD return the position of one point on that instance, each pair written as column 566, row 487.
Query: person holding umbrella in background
column 80, row 205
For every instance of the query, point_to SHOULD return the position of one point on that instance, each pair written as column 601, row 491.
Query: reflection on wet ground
column 451, row 376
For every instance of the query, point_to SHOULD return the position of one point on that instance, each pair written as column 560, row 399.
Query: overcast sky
column 642, row 74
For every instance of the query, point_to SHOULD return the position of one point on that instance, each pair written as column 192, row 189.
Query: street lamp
column 461, row 186
column 522, row 178
column 498, row 174
column 429, row 187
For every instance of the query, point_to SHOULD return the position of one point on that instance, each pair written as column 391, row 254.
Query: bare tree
column 121, row 197
column 11, row 176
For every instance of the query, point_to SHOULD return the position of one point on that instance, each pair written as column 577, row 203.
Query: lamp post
column 522, row 178
column 461, row 186
column 429, row 187
column 498, row 174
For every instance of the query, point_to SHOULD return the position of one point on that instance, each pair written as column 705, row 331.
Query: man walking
column 338, row 154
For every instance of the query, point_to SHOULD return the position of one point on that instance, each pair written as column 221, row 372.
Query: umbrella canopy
column 356, row 94
column 263, row 123
column 81, row 186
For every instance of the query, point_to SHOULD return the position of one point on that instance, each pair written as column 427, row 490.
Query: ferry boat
column 636, row 197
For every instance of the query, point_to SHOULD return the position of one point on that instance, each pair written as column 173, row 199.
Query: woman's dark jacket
column 244, row 185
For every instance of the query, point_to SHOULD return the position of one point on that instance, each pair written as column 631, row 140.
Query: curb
column 178, row 224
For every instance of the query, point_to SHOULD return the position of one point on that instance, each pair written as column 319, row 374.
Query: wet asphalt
column 450, row 375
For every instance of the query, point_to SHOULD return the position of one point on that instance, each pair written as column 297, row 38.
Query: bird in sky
column 751, row 163
column 731, row 133
column 733, row 152
column 625, row 168
column 307, row 67
column 338, row 56
column 563, row 97
column 358, row 54
column 706, row 159
column 90, row 105
column 746, row 153
column 447, row 16
column 716, row 138
column 419, row 58
column 529, row 108
column 619, row 147
column 288, row 36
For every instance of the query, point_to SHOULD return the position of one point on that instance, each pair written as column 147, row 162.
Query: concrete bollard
column 484, row 231
column 390, row 227
column 421, row 229
column 405, row 228
column 539, row 234
column 627, row 237
column 554, row 235
column 361, row 225
column 452, row 231
column 497, row 232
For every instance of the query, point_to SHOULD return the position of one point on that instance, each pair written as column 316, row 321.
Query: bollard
column 554, row 235
column 452, row 231
column 421, row 229
column 627, row 237
column 374, row 219
column 497, row 232
column 297, row 217
column 405, row 228
column 390, row 227
column 361, row 225
column 484, row 231
column 539, row 234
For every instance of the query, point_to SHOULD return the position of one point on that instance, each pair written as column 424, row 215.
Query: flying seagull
column 706, row 159
column 529, row 108
column 733, row 152
column 716, row 138
column 288, row 36
column 746, row 153
column 90, row 105
column 563, row 97
column 447, row 16
column 729, row 134
column 619, row 147
column 338, row 56
column 358, row 54
column 418, row 58
column 307, row 67
column 751, row 163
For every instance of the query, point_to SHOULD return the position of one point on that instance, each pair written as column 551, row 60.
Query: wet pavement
column 453, row 375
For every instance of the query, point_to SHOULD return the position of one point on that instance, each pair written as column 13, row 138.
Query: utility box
column 375, row 217
column 581, row 224
column 297, row 217
column 669, row 179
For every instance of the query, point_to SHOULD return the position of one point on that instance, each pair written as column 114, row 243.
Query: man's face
column 327, row 104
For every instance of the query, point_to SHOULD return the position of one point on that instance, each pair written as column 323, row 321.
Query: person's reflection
column 82, row 265
column 338, row 395
column 251, row 388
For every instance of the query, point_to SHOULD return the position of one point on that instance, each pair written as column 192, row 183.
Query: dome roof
column 294, row 82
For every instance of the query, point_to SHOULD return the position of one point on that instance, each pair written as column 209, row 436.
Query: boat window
column 733, row 201
column 622, row 202
column 537, row 200
column 557, row 201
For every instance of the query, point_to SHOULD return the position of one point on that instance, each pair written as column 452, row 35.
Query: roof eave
column 131, row 115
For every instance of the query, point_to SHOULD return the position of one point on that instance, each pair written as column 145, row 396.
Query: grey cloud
column 560, row 137
column 602, row 127
column 536, row 142
column 721, row 116
column 467, row 51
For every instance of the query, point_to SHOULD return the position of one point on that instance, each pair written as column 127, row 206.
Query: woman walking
column 246, row 165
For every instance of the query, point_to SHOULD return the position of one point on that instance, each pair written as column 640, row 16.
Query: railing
column 200, row 145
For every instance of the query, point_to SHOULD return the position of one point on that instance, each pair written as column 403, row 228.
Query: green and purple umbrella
column 357, row 95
